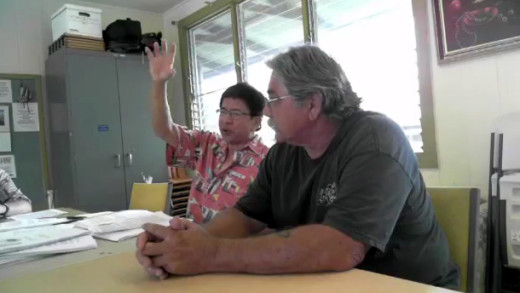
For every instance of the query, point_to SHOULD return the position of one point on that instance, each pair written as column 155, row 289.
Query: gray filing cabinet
column 101, row 131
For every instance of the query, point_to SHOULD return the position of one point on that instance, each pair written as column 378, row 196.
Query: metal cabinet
column 101, row 131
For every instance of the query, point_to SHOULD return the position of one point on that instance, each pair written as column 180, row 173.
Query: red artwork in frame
column 470, row 27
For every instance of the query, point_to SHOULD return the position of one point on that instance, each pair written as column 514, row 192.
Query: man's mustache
column 271, row 124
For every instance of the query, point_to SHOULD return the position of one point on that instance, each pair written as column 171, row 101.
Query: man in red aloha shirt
column 224, row 164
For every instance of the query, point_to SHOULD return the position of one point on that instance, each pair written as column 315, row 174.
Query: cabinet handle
column 130, row 159
column 118, row 160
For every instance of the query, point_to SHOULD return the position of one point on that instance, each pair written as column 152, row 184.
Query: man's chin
column 279, row 137
column 225, row 134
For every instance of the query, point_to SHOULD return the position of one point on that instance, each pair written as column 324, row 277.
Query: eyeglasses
column 270, row 101
column 231, row 113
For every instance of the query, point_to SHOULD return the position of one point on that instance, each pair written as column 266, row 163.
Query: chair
column 153, row 197
column 457, row 210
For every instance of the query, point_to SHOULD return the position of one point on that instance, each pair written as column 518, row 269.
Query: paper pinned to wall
column 5, row 141
column 8, row 165
column 25, row 117
column 4, row 119
column 6, row 92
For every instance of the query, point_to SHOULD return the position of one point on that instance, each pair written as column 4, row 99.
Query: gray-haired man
column 342, row 187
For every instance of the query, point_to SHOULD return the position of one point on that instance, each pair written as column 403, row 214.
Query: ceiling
column 157, row 6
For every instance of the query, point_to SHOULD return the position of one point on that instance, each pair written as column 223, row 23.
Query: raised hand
column 161, row 61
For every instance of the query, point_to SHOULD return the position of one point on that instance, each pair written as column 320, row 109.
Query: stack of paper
column 122, row 225
column 39, row 215
column 34, row 235
column 71, row 245
column 29, row 223
column 16, row 240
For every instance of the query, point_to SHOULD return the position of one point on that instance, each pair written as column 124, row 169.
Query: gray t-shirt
column 368, row 185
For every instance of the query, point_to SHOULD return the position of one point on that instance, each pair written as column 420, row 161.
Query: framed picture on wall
column 473, row 27
column 4, row 119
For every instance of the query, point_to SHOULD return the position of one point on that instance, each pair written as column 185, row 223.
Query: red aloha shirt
column 203, row 152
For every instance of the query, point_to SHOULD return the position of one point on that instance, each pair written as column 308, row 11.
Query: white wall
column 25, row 30
column 468, row 96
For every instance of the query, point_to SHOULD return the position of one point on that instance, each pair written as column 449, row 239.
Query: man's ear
column 258, row 122
column 315, row 106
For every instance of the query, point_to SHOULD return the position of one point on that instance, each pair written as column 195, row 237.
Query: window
column 213, row 67
column 373, row 40
column 268, row 30
column 386, row 78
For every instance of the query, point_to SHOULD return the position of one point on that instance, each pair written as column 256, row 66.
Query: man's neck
column 240, row 145
column 320, row 137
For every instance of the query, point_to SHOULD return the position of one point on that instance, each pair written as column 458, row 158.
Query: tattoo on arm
column 284, row 233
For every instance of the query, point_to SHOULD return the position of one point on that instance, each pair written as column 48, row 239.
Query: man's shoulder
column 197, row 135
column 209, row 138
column 372, row 121
column 376, row 130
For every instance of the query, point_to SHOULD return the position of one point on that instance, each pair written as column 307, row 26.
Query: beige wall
column 468, row 96
column 25, row 30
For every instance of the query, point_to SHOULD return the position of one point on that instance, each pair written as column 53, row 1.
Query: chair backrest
column 153, row 197
column 457, row 210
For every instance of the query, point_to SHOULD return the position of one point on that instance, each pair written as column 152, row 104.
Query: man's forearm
column 310, row 248
column 231, row 223
column 18, row 207
column 162, row 122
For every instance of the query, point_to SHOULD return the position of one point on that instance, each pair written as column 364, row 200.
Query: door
column 96, row 132
column 144, row 153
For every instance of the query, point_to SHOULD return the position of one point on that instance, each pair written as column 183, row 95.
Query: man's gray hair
column 307, row 70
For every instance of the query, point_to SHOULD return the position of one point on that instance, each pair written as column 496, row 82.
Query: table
column 112, row 267
column 121, row 273
column 105, row 248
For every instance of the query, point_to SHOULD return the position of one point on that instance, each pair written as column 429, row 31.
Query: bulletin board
column 23, row 151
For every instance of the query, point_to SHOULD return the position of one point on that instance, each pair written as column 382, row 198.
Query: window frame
column 427, row 159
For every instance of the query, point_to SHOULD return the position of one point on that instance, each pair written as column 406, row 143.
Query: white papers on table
column 94, row 214
column 13, row 261
column 29, row 223
column 75, row 244
column 17, row 260
column 120, row 221
column 16, row 240
column 120, row 235
column 39, row 215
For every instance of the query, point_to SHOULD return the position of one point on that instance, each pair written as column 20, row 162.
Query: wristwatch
column 4, row 214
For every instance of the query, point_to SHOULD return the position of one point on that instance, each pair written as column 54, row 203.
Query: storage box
column 510, row 187
column 76, row 20
column 77, row 42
